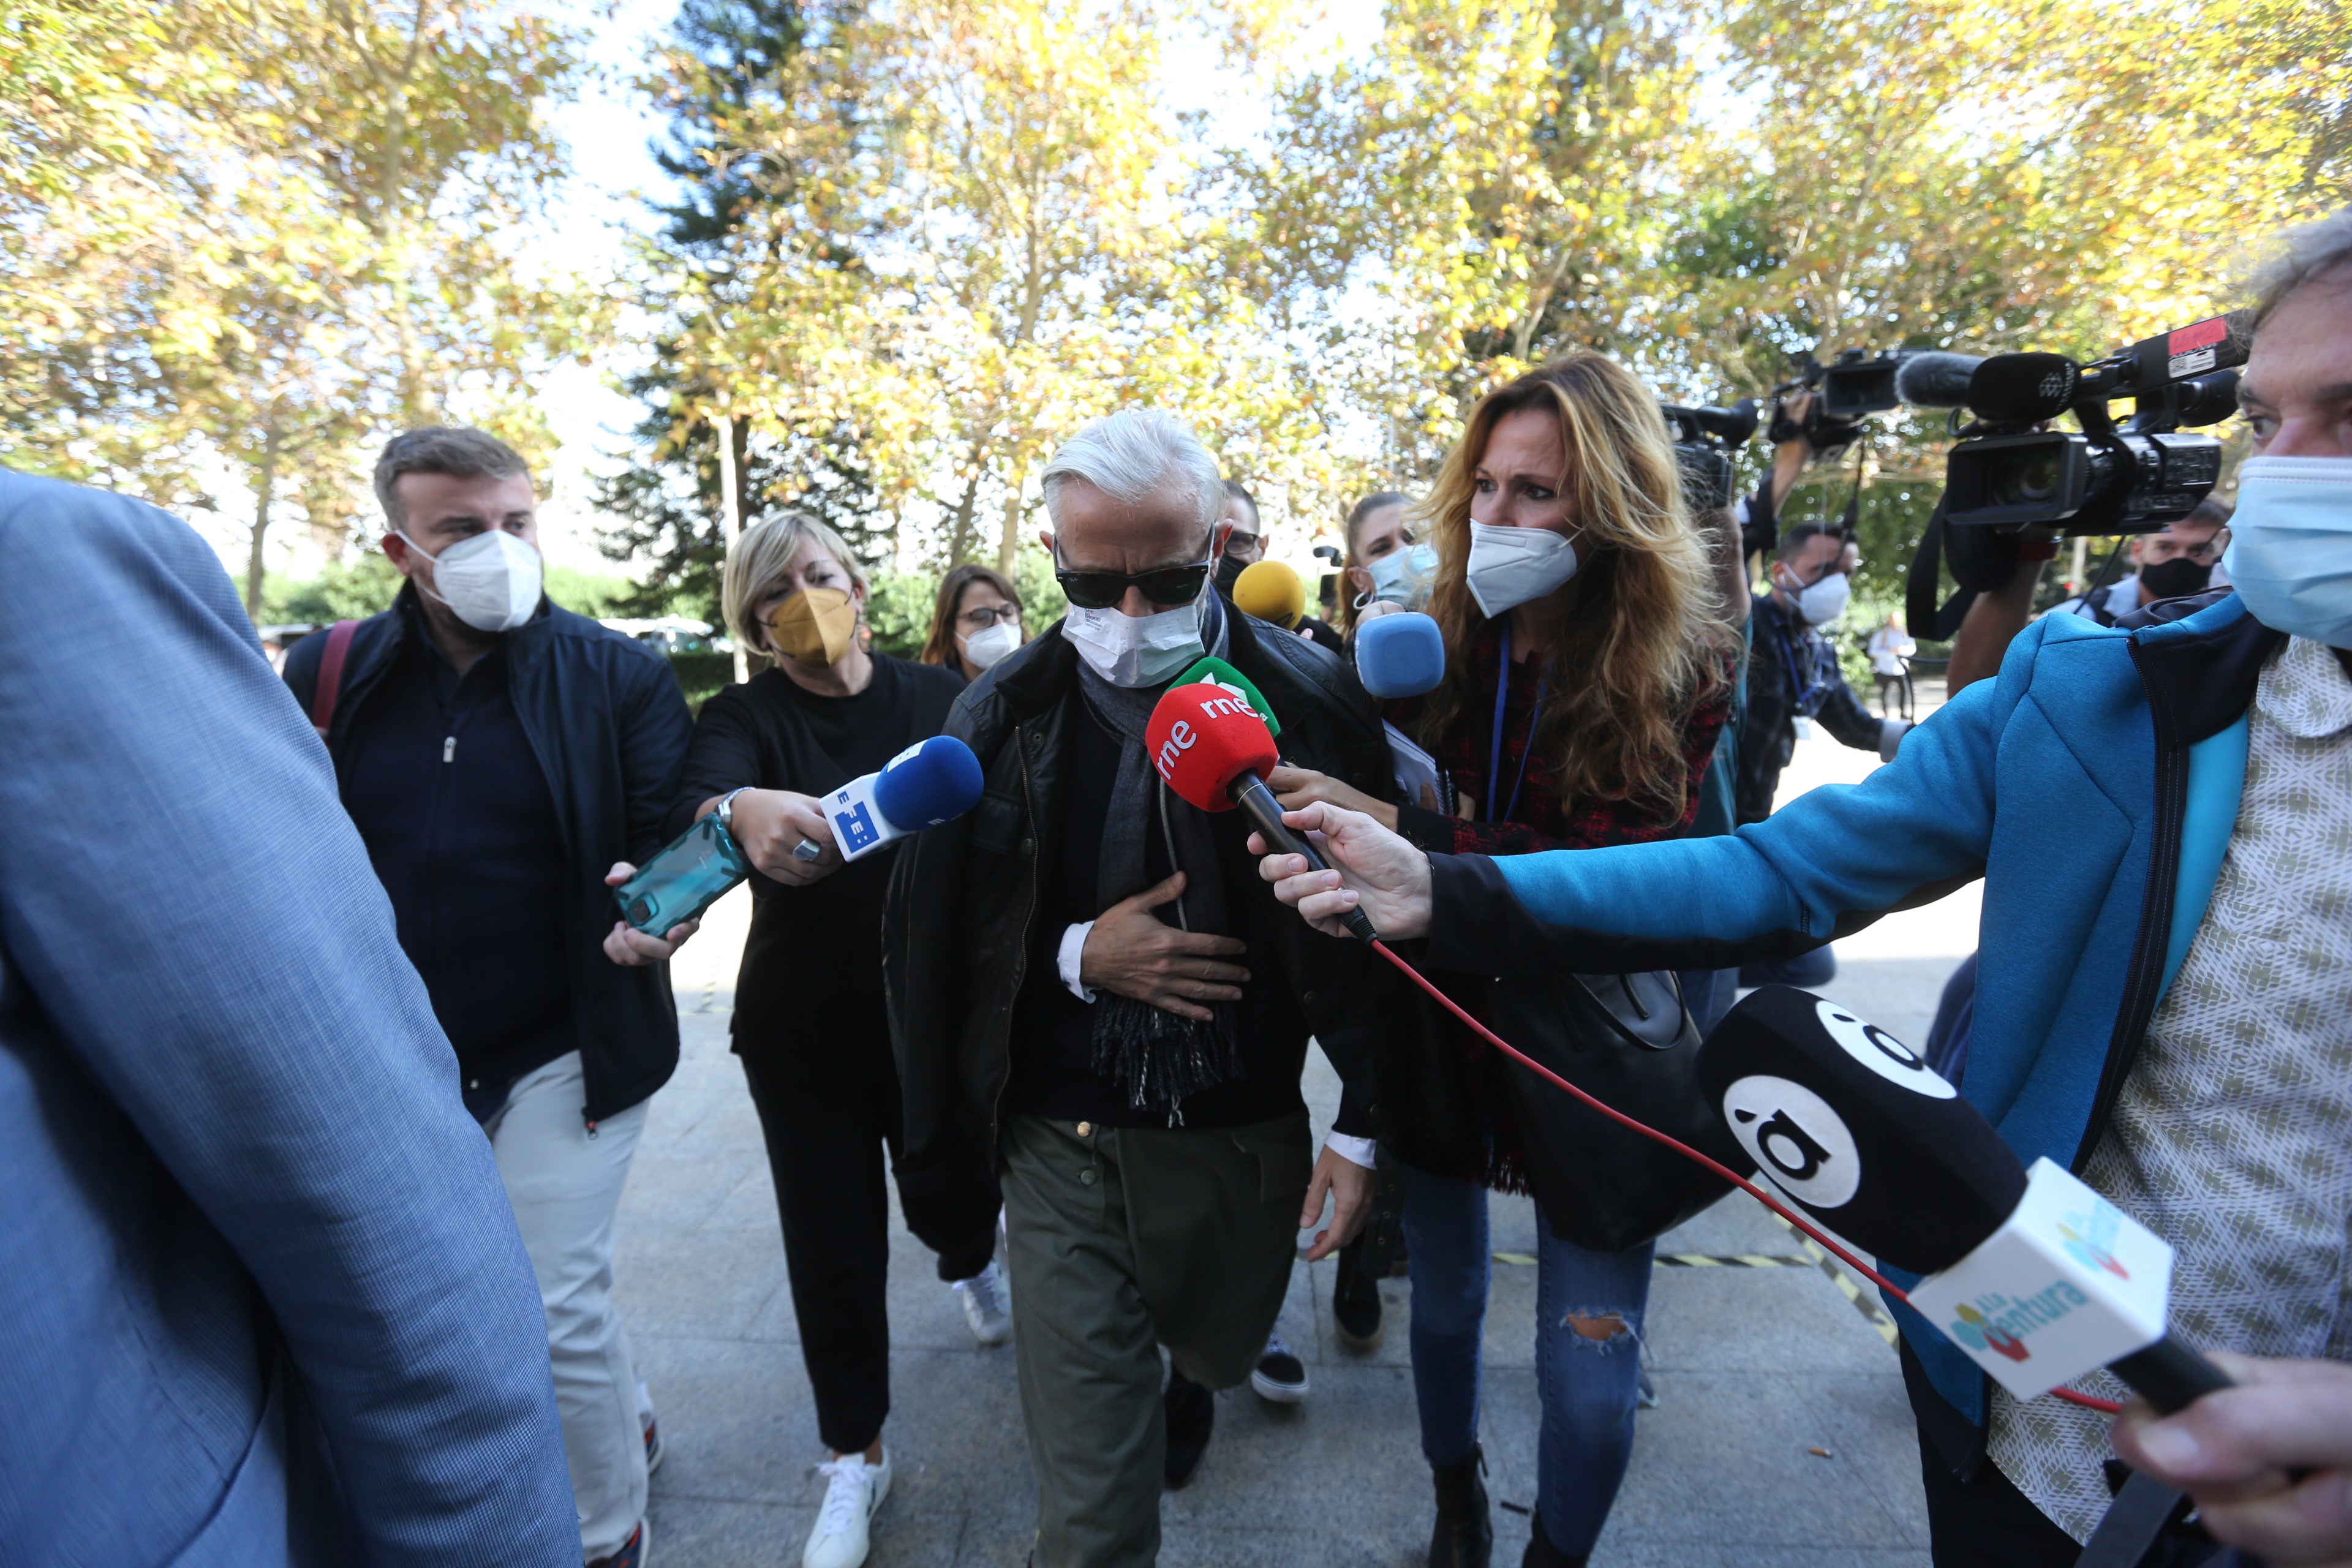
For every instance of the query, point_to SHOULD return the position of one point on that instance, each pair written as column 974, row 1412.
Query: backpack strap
column 330, row 676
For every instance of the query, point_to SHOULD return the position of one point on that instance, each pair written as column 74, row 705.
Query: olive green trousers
column 1122, row 1241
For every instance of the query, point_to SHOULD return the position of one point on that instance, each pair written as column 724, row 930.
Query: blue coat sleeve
column 181, row 892
column 1828, row 862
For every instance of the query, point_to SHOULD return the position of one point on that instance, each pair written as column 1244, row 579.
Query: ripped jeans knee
column 1603, row 1330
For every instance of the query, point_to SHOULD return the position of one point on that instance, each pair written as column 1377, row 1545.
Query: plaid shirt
column 1541, row 820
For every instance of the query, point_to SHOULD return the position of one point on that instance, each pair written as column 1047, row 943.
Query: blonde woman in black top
column 809, row 1023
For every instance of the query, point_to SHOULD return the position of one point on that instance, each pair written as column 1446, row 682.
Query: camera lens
column 2029, row 482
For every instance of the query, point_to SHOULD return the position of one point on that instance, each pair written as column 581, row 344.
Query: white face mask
column 2290, row 553
column 1137, row 650
column 491, row 581
column 1402, row 576
column 1508, row 566
column 1824, row 601
column 987, row 649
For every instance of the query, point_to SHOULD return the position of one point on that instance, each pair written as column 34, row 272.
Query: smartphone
column 687, row 878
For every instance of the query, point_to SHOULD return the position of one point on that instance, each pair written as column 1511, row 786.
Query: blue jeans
column 1587, row 1380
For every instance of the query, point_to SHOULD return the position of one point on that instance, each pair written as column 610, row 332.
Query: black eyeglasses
column 1103, row 590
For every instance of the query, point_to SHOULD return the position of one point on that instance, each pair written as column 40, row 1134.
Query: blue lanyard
column 1494, row 746
column 1806, row 693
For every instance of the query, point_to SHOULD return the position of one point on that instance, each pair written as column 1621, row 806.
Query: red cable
column 1684, row 1149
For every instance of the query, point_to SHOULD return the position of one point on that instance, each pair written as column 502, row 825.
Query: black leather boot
column 1464, row 1536
column 1542, row 1553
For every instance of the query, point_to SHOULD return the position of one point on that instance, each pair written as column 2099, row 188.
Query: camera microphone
column 2025, row 388
column 1935, row 379
column 1212, row 748
column 2030, row 1272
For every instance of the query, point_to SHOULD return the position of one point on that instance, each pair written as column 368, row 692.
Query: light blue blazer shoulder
column 264, row 1299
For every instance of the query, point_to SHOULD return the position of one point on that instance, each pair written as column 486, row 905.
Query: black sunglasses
column 1103, row 590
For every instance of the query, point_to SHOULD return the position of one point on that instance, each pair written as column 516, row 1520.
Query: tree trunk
column 1009, row 542
column 264, row 491
column 731, row 509
column 960, row 528
column 390, row 230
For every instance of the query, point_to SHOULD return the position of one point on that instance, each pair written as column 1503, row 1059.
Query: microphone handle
column 1264, row 812
column 2169, row 1375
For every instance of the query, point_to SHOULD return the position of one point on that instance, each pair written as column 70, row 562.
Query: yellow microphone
column 1271, row 592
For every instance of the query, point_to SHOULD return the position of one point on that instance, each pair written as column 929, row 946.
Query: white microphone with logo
column 921, row 787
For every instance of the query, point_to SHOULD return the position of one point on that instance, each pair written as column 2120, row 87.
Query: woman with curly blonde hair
column 1589, row 662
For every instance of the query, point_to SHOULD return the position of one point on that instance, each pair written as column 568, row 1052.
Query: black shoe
column 1191, row 1410
column 1464, row 1536
column 1356, row 1311
column 1542, row 1553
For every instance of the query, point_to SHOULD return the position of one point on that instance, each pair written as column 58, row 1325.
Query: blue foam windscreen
column 937, row 779
column 1399, row 654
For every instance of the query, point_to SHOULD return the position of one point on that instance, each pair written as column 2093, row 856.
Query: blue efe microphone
column 1399, row 654
column 921, row 787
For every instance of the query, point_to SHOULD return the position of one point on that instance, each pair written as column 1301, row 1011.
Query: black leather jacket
column 610, row 727
column 959, row 931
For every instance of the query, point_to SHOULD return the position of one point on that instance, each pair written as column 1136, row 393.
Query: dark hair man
column 1085, row 977
column 1793, row 672
column 505, row 761
column 266, row 1305
column 2160, row 817
column 2176, row 561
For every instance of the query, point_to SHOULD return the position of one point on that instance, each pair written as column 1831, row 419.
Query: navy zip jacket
column 605, row 720
column 2093, row 785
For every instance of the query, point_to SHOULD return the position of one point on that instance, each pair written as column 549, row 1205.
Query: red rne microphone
column 1212, row 748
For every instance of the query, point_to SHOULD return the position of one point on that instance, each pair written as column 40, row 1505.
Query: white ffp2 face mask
column 1825, row 601
column 2290, row 553
column 1135, row 650
column 491, row 581
column 1509, row 566
column 990, row 647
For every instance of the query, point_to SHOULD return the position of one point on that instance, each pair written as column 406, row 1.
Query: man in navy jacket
column 505, row 761
column 266, row 1304
column 2165, row 979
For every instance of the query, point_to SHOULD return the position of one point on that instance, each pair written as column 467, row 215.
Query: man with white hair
column 1086, row 977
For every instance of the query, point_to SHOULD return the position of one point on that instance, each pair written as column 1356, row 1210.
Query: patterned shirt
column 2232, row 1136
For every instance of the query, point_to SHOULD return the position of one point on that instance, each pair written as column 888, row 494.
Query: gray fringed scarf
column 1153, row 1055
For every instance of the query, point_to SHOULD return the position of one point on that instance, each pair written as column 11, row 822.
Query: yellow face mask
column 815, row 626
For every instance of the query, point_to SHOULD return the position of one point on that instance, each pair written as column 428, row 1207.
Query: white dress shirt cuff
column 1074, row 944
column 1354, row 1151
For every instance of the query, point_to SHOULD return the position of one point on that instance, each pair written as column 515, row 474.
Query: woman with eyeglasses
column 976, row 623
column 1589, row 668
column 809, row 1022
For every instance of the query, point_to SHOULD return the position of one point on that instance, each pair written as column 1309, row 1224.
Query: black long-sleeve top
column 808, row 999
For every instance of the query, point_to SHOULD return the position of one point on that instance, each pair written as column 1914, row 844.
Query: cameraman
column 1794, row 672
column 2173, row 562
column 2159, row 816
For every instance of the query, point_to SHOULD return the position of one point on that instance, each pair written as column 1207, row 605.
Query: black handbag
column 1628, row 1041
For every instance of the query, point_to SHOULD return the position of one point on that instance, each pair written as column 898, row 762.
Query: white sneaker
column 1279, row 1377
column 854, row 1489
column 985, row 1305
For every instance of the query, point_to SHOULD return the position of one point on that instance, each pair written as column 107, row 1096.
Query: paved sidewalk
column 1782, row 1438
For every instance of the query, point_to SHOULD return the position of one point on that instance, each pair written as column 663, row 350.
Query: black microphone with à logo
column 2038, row 1277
